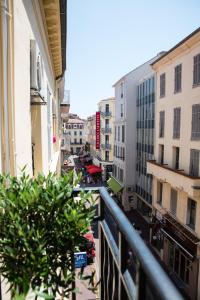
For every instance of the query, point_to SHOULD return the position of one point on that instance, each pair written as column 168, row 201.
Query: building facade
column 32, row 66
column 176, row 168
column 129, row 145
column 30, row 70
column 145, row 144
column 64, row 113
column 104, row 155
column 75, row 129
column 90, row 135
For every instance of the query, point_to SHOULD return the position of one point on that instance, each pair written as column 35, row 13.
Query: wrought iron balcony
column 106, row 130
column 106, row 146
column 106, row 113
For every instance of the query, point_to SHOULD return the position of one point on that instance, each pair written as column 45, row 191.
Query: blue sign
column 80, row 259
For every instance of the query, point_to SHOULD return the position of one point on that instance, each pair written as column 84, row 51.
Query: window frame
column 196, row 70
column 177, row 79
column 162, row 85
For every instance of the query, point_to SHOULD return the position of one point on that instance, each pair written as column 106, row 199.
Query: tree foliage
column 41, row 226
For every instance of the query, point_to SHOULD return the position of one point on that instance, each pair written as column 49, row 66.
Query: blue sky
column 108, row 38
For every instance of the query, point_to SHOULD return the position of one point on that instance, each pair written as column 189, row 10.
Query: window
column 162, row 124
column 195, row 122
column 123, row 153
column 159, row 192
column 81, row 141
column 123, row 133
column 173, row 201
column 196, row 70
column 107, row 108
column 107, row 155
column 161, row 154
column 75, row 141
column 107, row 140
column 122, row 89
column 162, row 85
column 176, row 157
column 178, row 262
column 122, row 110
column 177, row 78
column 118, row 133
column 80, row 132
column 191, row 213
column 115, row 133
column 106, row 123
column 75, row 133
column 49, row 124
column 194, row 162
column 177, row 123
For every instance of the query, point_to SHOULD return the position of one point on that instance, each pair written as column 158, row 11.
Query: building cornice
column 185, row 44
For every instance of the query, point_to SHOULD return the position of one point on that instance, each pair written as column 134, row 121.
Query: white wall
column 131, row 81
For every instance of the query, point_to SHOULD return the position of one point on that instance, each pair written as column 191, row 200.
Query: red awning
column 94, row 170
column 90, row 166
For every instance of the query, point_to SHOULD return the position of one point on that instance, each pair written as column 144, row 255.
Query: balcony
column 106, row 130
column 106, row 146
column 76, row 143
column 143, row 280
column 183, row 181
column 118, row 281
column 106, row 114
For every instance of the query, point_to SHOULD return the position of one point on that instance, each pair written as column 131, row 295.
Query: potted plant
column 41, row 226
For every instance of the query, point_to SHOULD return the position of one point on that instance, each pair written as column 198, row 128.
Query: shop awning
column 114, row 185
column 94, row 170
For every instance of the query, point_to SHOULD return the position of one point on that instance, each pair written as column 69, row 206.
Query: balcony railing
column 106, row 146
column 106, row 130
column 76, row 143
column 116, row 280
column 177, row 178
column 106, row 113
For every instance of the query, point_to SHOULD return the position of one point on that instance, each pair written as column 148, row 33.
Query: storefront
column 178, row 250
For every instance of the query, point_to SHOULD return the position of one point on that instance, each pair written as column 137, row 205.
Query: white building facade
column 125, row 145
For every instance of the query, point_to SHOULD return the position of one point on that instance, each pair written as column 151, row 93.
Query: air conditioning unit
column 35, row 66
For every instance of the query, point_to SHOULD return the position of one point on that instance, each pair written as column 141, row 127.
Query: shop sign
column 80, row 259
column 98, row 130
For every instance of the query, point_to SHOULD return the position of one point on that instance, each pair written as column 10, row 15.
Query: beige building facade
column 75, row 130
column 32, row 67
column 104, row 155
column 90, row 135
column 176, row 168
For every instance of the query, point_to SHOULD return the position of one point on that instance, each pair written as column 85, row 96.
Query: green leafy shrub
column 41, row 225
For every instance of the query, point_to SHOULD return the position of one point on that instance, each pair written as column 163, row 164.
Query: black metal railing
column 145, row 279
